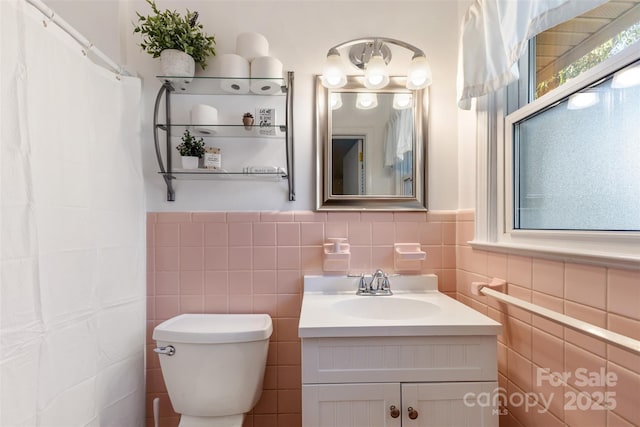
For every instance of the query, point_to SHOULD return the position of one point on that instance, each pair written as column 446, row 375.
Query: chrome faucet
column 379, row 284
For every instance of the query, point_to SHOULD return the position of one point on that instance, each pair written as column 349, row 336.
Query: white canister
column 204, row 118
column 252, row 45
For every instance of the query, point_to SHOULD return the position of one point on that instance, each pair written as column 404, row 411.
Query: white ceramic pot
column 176, row 63
column 190, row 162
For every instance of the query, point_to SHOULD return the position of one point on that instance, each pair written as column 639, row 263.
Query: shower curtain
column 72, row 232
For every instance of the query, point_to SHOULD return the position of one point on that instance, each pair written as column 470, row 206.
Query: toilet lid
column 214, row 328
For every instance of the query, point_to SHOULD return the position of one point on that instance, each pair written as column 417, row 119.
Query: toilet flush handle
column 168, row 350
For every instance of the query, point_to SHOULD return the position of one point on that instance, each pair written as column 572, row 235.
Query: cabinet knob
column 394, row 412
column 413, row 414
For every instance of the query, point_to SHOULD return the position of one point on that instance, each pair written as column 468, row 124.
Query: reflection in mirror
column 376, row 156
column 370, row 146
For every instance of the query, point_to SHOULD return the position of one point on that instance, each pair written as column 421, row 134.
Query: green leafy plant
column 169, row 30
column 191, row 146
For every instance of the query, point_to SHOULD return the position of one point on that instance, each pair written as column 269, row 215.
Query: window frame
column 494, row 177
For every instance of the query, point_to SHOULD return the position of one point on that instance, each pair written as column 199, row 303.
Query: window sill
column 603, row 257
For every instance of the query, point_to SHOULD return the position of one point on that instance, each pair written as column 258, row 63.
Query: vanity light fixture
column 372, row 54
column 366, row 100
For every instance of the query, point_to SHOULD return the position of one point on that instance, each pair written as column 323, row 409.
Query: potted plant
column 179, row 41
column 191, row 149
column 247, row 120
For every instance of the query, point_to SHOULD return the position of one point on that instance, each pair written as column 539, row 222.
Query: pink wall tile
column 240, row 258
column 629, row 328
column 497, row 265
column 448, row 233
column 359, row 233
column 289, row 282
column 167, row 234
column 167, row 306
column 277, row 216
column 191, row 258
column 264, row 234
column 216, row 282
column 590, row 315
column 552, row 303
column 240, row 304
column 418, row 217
column 519, row 270
column 191, row 304
column 343, row 217
column 240, row 234
column 382, row 233
column 191, row 234
column 176, row 217
column 209, row 217
column 192, row 282
column 311, row 259
column 626, row 388
column 264, row 282
column 288, row 234
column 623, row 293
column 382, row 257
column 216, row 234
column 407, row 232
column 377, row 216
column 167, row 258
column 311, row 234
column 247, row 217
column 264, row 257
column 335, row 229
column 216, row 258
column 586, row 284
column 548, row 277
column 309, row 216
column 548, row 351
column 288, row 258
column 240, row 282
column 167, row 282
column 430, row 233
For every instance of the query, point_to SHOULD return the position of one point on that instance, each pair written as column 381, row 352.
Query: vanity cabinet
column 399, row 381
column 263, row 151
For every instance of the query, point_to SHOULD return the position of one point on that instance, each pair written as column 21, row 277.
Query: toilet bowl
column 213, row 365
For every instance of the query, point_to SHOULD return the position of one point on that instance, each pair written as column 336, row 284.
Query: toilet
column 213, row 365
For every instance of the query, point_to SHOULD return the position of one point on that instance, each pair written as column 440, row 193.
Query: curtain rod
column 86, row 44
column 619, row 340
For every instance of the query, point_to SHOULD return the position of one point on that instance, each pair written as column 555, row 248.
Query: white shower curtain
column 72, row 232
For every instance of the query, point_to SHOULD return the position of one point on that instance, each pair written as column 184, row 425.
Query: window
column 566, row 153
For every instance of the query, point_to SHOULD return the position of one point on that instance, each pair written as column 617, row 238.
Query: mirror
column 370, row 146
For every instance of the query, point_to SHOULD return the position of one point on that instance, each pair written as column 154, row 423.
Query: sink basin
column 385, row 307
column 331, row 308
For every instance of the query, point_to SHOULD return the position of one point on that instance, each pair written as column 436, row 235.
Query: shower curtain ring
column 49, row 18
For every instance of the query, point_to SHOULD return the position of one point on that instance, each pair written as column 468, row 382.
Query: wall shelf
column 245, row 138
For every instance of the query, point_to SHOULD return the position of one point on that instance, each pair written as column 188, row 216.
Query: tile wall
column 608, row 298
column 243, row 262
column 234, row 262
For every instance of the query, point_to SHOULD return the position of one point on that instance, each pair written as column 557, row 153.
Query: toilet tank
column 218, row 365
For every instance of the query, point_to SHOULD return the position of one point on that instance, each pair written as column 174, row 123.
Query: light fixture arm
column 377, row 41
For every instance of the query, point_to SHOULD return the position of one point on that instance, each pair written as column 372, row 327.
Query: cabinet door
column 350, row 405
column 449, row 404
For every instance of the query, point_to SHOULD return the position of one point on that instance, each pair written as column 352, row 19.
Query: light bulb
column 376, row 74
column 626, row 78
column 336, row 100
column 419, row 74
column 333, row 73
column 581, row 100
column 402, row 101
column 366, row 100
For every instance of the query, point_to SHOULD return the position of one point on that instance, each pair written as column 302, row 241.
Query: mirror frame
column 328, row 202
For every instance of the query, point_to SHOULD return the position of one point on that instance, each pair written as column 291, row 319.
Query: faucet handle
column 362, row 285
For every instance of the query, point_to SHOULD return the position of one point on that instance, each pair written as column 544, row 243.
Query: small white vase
column 176, row 63
column 189, row 162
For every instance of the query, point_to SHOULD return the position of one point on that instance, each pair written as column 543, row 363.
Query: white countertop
column 320, row 317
